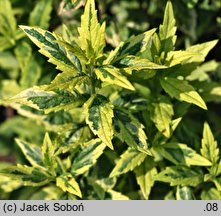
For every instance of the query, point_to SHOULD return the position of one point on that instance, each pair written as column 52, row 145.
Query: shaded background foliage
column 197, row 21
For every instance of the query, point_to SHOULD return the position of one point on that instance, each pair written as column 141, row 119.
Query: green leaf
column 91, row 33
column 8, row 23
column 155, row 54
column 180, row 175
column 211, row 91
column 161, row 112
column 112, row 75
column 99, row 114
column 184, row 193
column 50, row 192
column 218, row 171
column 101, row 186
column 209, row 146
column 190, row 3
column 20, row 126
column 182, row 154
column 168, row 29
column 182, row 91
column 5, row 58
column 106, row 183
column 217, row 182
column 9, row 88
column 46, row 41
column 97, row 189
column 211, row 194
column 169, row 196
column 87, row 157
column 175, row 123
column 40, row 16
column 31, row 152
column 70, row 4
column 130, row 159
column 31, row 71
column 68, row 184
column 201, row 72
column 48, row 154
column 27, row 176
column 128, row 129
column 114, row 195
column 4, row 43
column 23, row 52
column 145, row 176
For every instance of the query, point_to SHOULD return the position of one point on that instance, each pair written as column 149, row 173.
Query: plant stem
column 92, row 79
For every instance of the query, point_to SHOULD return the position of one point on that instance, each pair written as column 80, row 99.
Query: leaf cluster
column 112, row 119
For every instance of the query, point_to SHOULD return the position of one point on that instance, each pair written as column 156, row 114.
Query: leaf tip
column 203, row 106
column 110, row 145
column 23, row 27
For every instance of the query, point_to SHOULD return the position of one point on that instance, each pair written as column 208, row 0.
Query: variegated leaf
column 180, row 175
column 132, row 46
column 31, row 152
column 47, row 100
column 168, row 29
column 87, row 157
column 209, row 148
column 68, row 184
column 202, row 48
column 184, row 193
column 145, row 176
column 48, row 154
column 74, row 48
column 68, row 81
column 130, row 159
column 99, row 114
column 28, row 176
column 72, row 139
column 113, row 55
column 182, row 91
column 8, row 184
column 161, row 112
column 136, row 63
column 112, row 75
column 195, row 53
column 46, row 41
column 179, row 153
column 128, row 129
column 91, row 33
column 183, row 57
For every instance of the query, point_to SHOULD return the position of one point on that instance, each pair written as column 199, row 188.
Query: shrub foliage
column 117, row 123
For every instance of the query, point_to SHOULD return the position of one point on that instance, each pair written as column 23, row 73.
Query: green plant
column 113, row 118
